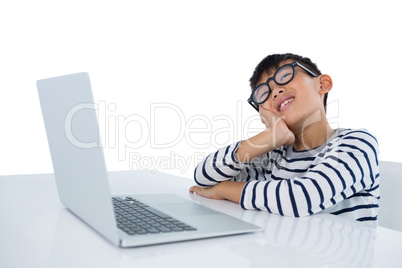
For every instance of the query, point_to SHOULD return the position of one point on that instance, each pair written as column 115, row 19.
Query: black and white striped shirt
column 340, row 177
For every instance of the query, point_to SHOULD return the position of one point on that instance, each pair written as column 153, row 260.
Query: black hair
column 272, row 62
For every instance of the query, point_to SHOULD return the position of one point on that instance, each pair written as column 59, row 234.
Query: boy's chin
column 293, row 123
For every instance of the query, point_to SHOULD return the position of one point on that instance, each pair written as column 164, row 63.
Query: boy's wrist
column 231, row 190
column 256, row 146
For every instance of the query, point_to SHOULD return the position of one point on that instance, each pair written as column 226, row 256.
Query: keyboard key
column 164, row 229
column 189, row 228
column 152, row 230
column 177, row 229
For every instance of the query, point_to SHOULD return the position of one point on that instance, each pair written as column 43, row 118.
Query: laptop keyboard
column 136, row 218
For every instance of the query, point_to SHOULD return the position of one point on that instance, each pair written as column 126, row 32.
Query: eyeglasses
column 282, row 76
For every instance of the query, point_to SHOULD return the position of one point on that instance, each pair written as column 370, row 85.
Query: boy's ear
column 325, row 84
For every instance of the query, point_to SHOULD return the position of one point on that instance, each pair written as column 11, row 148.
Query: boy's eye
column 285, row 77
column 263, row 95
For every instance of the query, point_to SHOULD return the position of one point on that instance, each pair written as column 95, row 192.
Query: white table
column 36, row 230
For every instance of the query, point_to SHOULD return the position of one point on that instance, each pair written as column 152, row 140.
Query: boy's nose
column 276, row 89
column 276, row 92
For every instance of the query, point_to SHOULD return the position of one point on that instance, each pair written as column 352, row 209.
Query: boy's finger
column 194, row 189
column 265, row 121
column 268, row 117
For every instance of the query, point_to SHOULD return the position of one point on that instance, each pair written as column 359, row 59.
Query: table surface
column 36, row 230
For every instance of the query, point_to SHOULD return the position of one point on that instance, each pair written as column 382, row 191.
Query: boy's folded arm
column 346, row 170
column 228, row 162
column 219, row 166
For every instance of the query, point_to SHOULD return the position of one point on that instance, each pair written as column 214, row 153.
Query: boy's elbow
column 201, row 180
column 197, row 178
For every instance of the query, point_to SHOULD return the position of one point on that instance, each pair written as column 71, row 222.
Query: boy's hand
column 230, row 190
column 212, row 192
column 280, row 133
column 276, row 135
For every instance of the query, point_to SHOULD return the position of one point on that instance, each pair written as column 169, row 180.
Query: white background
column 196, row 57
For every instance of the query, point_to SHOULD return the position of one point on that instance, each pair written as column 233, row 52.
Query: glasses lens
column 284, row 75
column 261, row 94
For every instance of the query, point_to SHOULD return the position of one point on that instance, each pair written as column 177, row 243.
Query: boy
column 298, row 165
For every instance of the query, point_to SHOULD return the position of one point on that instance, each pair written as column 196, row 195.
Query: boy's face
column 297, row 100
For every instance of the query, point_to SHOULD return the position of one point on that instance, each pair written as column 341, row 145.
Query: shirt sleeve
column 222, row 165
column 217, row 167
column 348, row 166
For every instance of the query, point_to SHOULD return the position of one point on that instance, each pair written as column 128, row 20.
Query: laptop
column 70, row 117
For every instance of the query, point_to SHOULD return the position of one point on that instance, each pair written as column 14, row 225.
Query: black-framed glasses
column 282, row 76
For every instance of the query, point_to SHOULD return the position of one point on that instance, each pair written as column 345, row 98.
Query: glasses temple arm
column 307, row 70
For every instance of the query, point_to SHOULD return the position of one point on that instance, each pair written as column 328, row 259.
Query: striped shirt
column 340, row 177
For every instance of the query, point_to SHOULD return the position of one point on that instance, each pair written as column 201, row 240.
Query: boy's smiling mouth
column 284, row 104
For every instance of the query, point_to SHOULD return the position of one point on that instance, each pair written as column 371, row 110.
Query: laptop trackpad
column 186, row 209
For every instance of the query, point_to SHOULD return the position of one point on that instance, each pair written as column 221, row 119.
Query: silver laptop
column 79, row 167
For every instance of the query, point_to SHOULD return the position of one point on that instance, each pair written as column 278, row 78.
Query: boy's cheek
column 265, row 105
column 268, row 106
